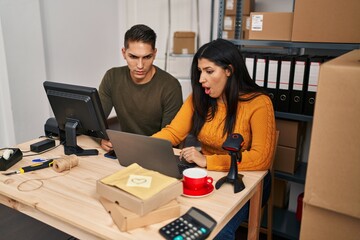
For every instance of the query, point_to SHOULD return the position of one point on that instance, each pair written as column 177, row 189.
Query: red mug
column 196, row 178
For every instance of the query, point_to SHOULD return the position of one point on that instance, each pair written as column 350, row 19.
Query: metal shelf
column 181, row 55
column 293, row 116
column 299, row 176
column 287, row 44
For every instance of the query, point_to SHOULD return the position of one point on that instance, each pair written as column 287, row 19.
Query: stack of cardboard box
column 287, row 156
column 290, row 144
column 332, row 190
column 230, row 23
column 129, row 212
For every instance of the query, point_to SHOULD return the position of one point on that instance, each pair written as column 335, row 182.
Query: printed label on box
column 257, row 22
column 228, row 23
column 230, row 4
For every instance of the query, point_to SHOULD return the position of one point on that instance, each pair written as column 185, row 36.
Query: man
column 145, row 97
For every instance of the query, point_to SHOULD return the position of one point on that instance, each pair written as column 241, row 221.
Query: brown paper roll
column 65, row 163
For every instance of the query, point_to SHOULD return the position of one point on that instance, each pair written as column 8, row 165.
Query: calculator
column 194, row 224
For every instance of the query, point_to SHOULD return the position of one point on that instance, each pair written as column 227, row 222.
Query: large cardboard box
column 127, row 220
column 326, row 21
column 271, row 26
column 287, row 159
column 291, row 133
column 184, row 43
column 321, row 224
column 332, row 181
column 334, row 157
column 135, row 204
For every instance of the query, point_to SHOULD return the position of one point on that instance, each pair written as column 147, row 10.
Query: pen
column 32, row 167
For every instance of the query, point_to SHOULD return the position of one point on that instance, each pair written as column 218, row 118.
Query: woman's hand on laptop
column 106, row 145
column 191, row 155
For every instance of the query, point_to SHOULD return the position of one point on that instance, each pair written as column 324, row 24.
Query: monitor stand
column 70, row 145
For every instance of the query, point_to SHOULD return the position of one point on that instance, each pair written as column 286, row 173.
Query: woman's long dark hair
column 227, row 56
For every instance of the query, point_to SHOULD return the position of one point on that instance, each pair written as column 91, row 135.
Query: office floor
column 15, row 225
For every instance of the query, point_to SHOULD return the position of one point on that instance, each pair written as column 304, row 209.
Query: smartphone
column 111, row 154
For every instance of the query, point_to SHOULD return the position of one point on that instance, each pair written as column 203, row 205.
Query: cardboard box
column 245, row 27
column 126, row 220
column 228, row 34
column 184, row 43
column 229, row 22
column 248, row 6
column 291, row 133
column 321, row 224
column 326, row 21
column 287, row 159
column 230, row 7
column 271, row 26
column 245, row 35
column 333, row 171
column 137, row 205
column 281, row 193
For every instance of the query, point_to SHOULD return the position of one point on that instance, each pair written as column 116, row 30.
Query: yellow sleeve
column 180, row 126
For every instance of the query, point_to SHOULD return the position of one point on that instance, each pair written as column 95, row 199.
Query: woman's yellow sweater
column 255, row 122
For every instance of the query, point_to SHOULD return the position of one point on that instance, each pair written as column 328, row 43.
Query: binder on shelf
column 285, row 82
column 300, row 80
column 250, row 63
column 273, row 73
column 311, row 88
column 260, row 74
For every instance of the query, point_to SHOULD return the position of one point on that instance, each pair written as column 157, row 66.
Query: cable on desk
column 59, row 165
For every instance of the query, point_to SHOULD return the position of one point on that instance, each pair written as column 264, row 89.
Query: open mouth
column 207, row 90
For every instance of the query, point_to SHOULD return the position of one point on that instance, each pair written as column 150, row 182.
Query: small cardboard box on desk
column 137, row 197
column 332, row 190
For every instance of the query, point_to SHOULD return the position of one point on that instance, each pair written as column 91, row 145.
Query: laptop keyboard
column 182, row 165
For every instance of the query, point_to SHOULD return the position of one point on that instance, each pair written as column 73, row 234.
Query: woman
column 224, row 100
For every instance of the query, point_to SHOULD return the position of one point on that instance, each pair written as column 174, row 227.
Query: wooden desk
column 70, row 202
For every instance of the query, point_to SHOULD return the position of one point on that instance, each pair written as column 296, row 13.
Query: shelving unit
column 285, row 223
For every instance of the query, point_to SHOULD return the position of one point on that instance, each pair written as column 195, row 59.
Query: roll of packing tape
column 65, row 163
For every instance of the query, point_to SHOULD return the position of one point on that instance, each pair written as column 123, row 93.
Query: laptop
column 149, row 152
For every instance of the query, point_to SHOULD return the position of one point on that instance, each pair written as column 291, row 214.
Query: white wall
column 7, row 136
column 25, row 70
column 74, row 41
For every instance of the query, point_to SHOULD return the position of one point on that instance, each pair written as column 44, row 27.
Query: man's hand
column 106, row 145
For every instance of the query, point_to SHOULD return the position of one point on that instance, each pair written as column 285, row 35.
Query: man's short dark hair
column 140, row 33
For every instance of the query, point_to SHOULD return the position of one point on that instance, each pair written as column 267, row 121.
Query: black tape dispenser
column 9, row 157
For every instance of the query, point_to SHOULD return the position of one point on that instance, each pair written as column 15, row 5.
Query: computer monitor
column 77, row 110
